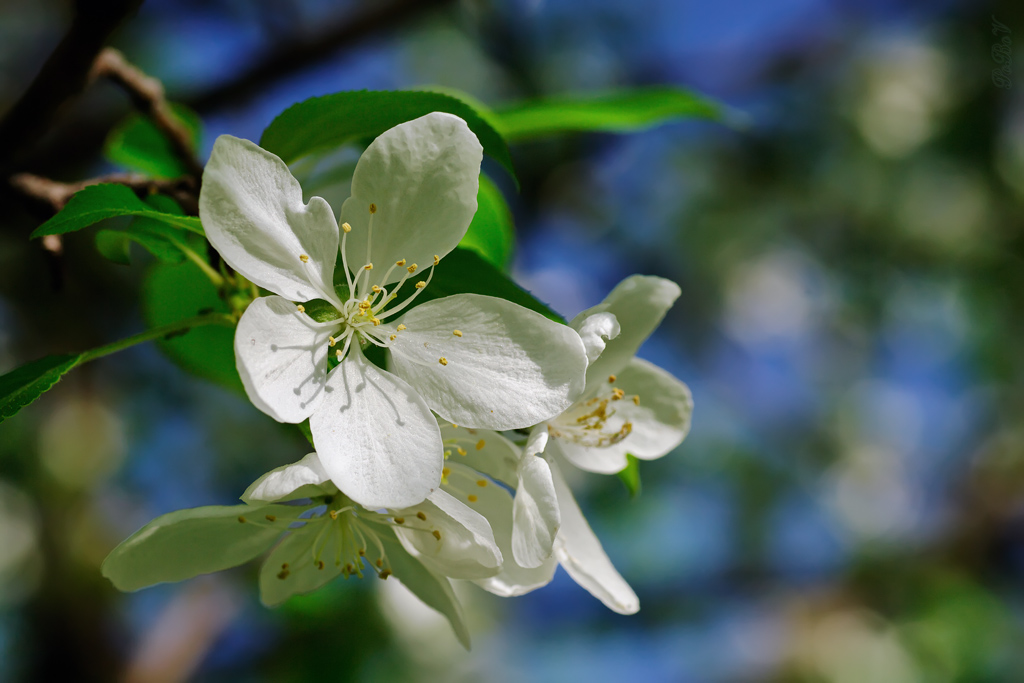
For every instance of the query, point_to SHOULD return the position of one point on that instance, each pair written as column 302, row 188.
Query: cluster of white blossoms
column 411, row 476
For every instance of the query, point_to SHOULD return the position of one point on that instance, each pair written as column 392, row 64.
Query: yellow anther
column 241, row 519
column 422, row 516
column 480, row 444
column 399, row 520
column 346, row 227
column 447, row 454
column 331, row 341
column 319, row 564
column 337, row 354
column 385, row 573
column 271, row 518
column 460, row 450
column 400, row 263
column 375, row 289
column 446, row 471
column 611, row 379
column 368, row 266
column 303, row 258
column 284, row 565
column 412, row 268
column 481, row 483
column 373, row 208
column 454, row 426
column 283, row 574
column 375, row 321
column 400, row 327
column 333, row 514
column 302, row 309
column 437, row 534
column 437, row 259
column 362, row 552
column 379, row 562
column 421, row 284
column 471, row 498
column 442, row 360
column 636, row 399
column 457, row 333
column 617, row 394
column 393, row 337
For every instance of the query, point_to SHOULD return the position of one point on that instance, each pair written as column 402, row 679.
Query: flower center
column 593, row 423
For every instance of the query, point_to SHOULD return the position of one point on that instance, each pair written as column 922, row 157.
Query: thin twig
column 147, row 94
column 57, row 194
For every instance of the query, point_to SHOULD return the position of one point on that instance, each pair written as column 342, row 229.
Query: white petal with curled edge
column 376, row 437
column 254, row 216
column 535, row 513
column 281, row 356
column 595, row 331
column 303, row 479
column 639, row 303
column 661, row 419
column 422, row 177
column 581, row 555
column 466, row 547
column 510, row 368
column 495, row 504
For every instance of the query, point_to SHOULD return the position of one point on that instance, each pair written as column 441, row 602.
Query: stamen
column 421, row 284
column 481, row 483
column 457, row 333
column 446, row 471
column 375, row 289
column 393, row 337
column 611, row 379
column 271, row 518
column 617, row 394
column 401, row 326
column 437, row 534
column 480, row 444
column 399, row 520
column 437, row 259
column 302, row 309
column 331, row 341
column 636, row 399
column 471, row 498
column 384, row 573
column 346, row 227
column 373, row 208
column 422, row 516
column 368, row 266
column 241, row 519
column 400, row 264
column 412, row 269
column 303, row 258
column 442, row 360
column 460, row 450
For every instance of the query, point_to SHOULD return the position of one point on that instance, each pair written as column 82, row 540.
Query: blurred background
column 849, row 505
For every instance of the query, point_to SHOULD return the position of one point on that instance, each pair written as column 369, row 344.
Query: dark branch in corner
column 147, row 94
column 57, row 194
column 62, row 77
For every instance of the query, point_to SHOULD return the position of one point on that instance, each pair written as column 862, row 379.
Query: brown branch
column 62, row 77
column 147, row 94
column 57, row 194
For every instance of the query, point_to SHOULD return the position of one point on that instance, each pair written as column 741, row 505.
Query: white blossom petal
column 535, row 513
column 595, row 331
column 465, row 549
column 510, row 368
column 186, row 543
column 495, row 504
column 639, row 303
column 422, row 178
column 254, row 216
column 598, row 459
column 485, row 451
column 581, row 555
column 376, row 437
column 291, row 568
column 661, row 419
column 281, row 356
column 303, row 479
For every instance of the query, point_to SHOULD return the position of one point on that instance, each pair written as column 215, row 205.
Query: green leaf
column 138, row 144
column 332, row 120
column 630, row 476
column 491, row 234
column 464, row 271
column 171, row 293
column 186, row 543
column 21, row 386
column 613, row 112
column 167, row 244
column 114, row 245
column 98, row 202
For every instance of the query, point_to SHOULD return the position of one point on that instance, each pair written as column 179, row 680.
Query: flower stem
column 164, row 331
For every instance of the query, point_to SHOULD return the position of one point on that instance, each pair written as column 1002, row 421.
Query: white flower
column 629, row 405
column 320, row 538
column 475, row 360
